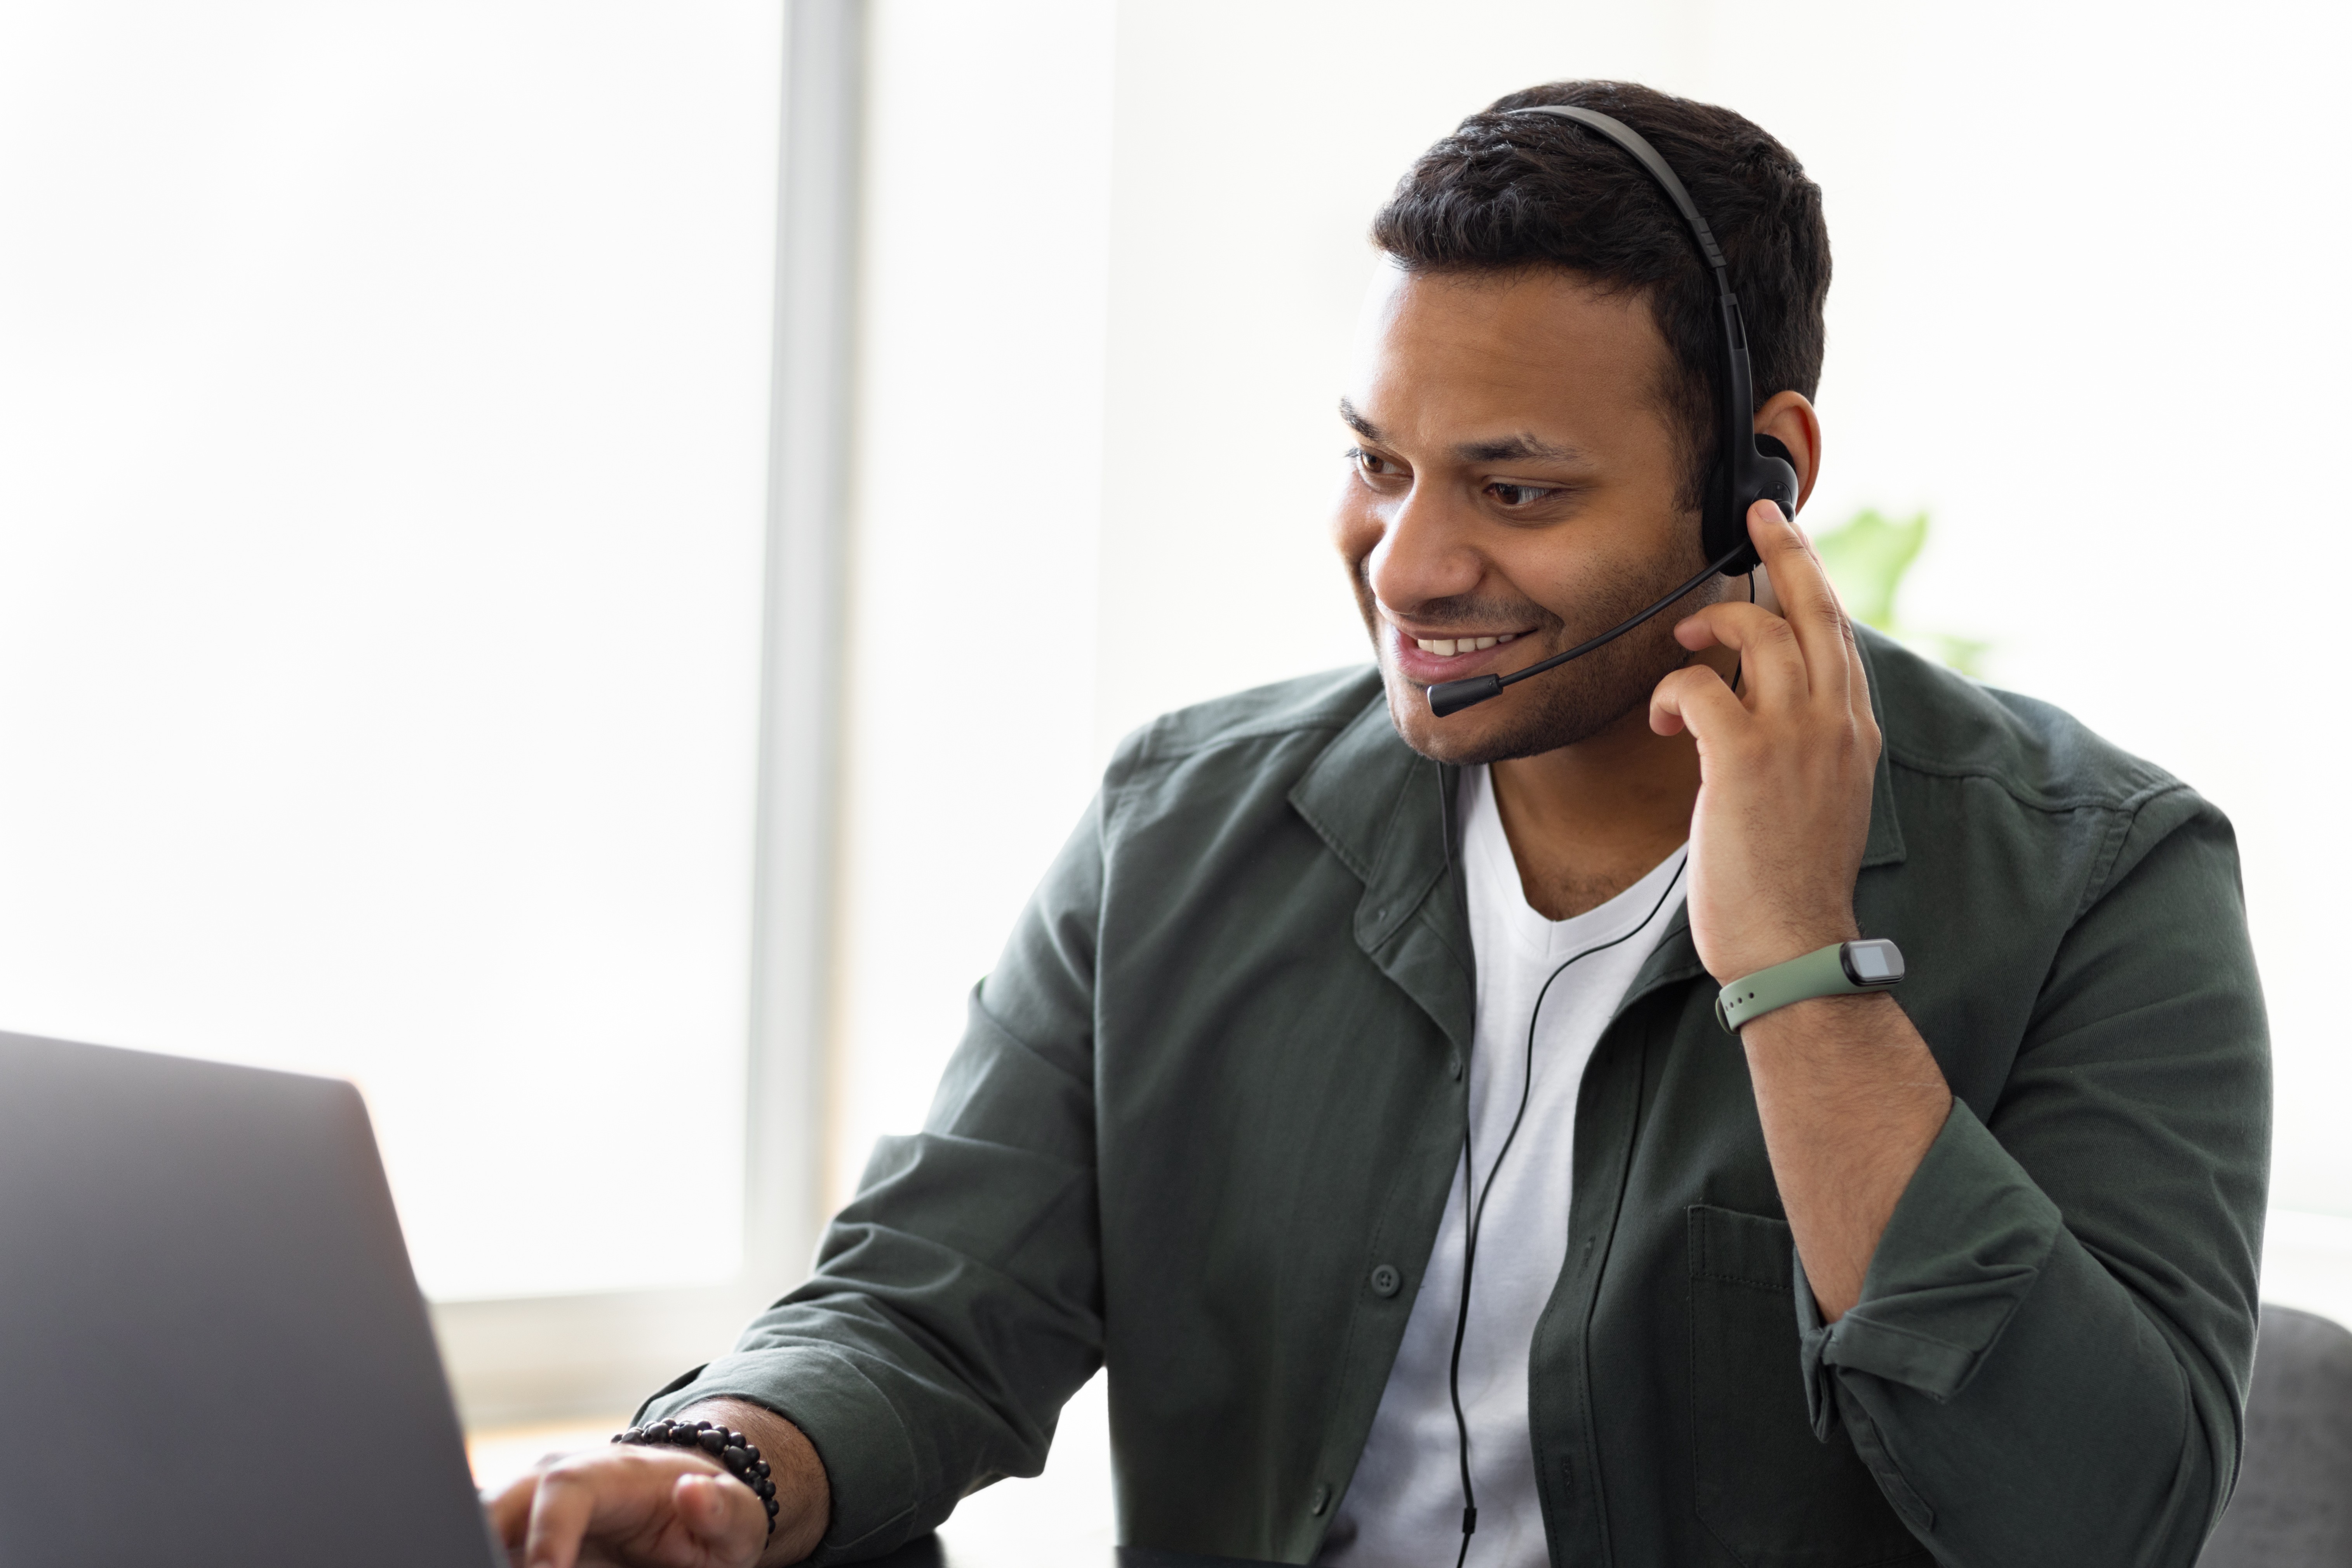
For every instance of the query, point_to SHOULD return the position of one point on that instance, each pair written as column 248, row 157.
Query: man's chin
column 1483, row 733
column 1523, row 720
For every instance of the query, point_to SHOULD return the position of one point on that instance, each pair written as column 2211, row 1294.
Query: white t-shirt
column 1403, row 1510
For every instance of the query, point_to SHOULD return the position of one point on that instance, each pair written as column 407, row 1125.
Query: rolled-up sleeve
column 1947, row 1282
column 2048, row 1359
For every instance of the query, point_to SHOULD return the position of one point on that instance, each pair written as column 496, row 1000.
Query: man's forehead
column 1497, row 359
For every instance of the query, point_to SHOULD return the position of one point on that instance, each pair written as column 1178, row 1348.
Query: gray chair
column 2292, row 1508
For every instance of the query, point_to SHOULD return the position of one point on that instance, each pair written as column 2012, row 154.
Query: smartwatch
column 1840, row 969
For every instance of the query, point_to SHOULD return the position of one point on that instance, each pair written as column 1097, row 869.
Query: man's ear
column 1789, row 418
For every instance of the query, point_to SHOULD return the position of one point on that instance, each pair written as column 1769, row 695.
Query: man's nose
column 1424, row 553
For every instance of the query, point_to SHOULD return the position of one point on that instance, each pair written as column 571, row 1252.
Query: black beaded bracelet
column 732, row 1449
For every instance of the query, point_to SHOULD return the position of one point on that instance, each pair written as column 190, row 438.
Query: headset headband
column 1633, row 142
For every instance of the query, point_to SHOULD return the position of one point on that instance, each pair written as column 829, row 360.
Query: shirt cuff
column 1964, row 1246
column 869, row 1465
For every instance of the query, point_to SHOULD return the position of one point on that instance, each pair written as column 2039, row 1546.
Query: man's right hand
column 668, row 1508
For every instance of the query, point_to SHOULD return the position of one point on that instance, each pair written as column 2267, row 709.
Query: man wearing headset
column 1361, row 1085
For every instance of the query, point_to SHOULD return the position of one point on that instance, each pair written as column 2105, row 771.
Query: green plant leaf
column 1866, row 558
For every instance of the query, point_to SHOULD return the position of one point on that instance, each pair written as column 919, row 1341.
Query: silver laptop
column 212, row 1349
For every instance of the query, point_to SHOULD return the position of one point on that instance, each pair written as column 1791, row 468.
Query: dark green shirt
column 1210, row 1103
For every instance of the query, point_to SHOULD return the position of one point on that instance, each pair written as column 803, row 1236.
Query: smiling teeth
column 1446, row 648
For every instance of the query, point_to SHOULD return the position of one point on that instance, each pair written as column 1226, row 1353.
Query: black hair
column 1508, row 193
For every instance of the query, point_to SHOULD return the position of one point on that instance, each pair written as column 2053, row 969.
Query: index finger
column 561, row 1507
column 1813, row 611
column 511, row 1509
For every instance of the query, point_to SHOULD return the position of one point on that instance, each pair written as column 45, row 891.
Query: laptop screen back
column 212, row 1350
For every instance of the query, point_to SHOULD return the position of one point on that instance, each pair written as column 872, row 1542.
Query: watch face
column 1876, row 962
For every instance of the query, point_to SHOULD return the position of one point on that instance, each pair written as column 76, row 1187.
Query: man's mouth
column 1427, row 660
column 1446, row 648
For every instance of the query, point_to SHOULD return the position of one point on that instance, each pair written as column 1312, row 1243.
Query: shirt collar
column 1358, row 796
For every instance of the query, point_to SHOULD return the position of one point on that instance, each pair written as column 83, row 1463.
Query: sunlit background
column 384, row 431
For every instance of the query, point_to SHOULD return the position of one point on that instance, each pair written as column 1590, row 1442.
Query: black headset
column 1749, row 467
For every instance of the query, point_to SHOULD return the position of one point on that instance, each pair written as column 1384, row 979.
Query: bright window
column 383, row 422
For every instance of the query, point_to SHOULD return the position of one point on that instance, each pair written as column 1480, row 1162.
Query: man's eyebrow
column 1511, row 448
column 1503, row 449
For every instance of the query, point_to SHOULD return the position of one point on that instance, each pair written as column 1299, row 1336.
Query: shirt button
column 1321, row 1500
column 1386, row 1280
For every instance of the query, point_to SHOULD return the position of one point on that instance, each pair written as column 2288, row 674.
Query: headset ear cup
column 1722, row 526
column 1774, row 476
column 1766, row 471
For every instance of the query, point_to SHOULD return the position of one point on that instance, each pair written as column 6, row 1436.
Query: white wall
column 2083, row 313
column 972, row 678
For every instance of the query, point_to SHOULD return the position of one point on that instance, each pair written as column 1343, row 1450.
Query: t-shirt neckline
column 1483, row 838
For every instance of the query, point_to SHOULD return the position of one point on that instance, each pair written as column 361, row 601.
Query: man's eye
column 1371, row 463
column 1517, row 495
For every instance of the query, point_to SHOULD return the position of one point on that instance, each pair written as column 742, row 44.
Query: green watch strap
column 1840, row 969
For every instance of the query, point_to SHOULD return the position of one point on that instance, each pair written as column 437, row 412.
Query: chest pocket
column 1774, row 1494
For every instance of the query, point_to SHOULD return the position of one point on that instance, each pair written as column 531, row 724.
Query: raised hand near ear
column 1849, row 1096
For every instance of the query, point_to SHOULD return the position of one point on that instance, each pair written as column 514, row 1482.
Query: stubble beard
column 1575, row 702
